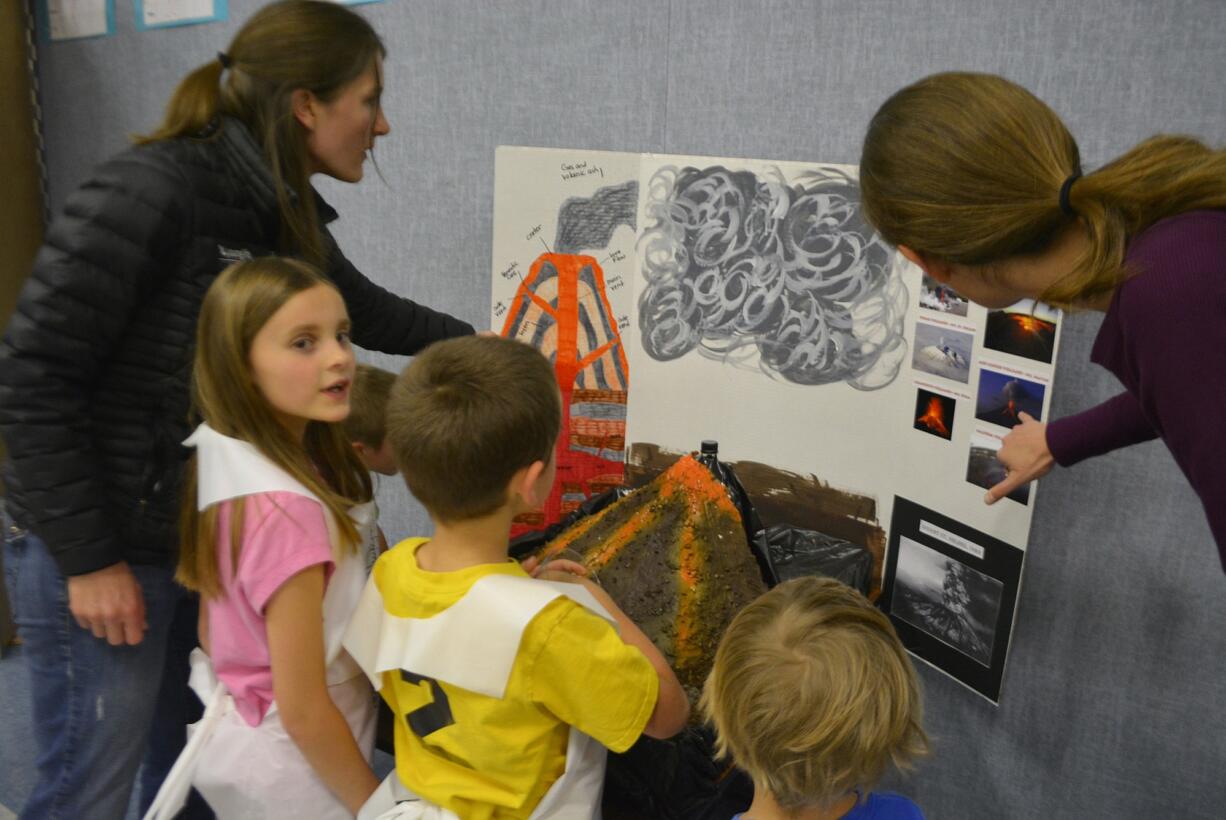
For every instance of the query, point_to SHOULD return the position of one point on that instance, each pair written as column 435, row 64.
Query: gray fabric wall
column 1118, row 658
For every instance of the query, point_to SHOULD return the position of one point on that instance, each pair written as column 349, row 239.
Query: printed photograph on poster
column 1026, row 329
column 1002, row 398
column 934, row 413
column 942, row 298
column 943, row 351
column 951, row 592
column 947, row 599
column 984, row 470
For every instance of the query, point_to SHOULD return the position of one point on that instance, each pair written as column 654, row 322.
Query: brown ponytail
column 314, row 45
column 968, row 168
column 193, row 106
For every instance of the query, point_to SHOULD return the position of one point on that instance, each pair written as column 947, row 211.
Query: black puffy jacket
column 95, row 366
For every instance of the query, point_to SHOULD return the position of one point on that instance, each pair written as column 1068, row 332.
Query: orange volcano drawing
column 561, row 309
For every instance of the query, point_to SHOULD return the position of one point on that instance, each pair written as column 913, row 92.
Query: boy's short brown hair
column 367, row 420
column 812, row 693
column 465, row 416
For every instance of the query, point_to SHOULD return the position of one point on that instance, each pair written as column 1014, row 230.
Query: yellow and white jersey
column 487, row 671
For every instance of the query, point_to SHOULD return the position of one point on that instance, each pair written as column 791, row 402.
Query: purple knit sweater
column 1164, row 337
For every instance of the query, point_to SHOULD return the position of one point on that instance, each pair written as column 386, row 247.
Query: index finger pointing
column 998, row 491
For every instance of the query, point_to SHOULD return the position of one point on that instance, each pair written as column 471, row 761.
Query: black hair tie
column 1064, row 192
column 224, row 59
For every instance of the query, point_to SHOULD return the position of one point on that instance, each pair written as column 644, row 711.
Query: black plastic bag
column 795, row 552
column 675, row 779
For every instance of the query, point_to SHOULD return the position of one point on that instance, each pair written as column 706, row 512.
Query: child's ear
column 360, row 449
column 936, row 268
column 525, row 484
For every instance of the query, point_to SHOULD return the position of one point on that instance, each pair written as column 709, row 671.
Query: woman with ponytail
column 94, row 377
column 980, row 184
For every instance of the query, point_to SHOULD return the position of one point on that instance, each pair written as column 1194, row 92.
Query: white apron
column 258, row 772
column 491, row 616
column 366, row 518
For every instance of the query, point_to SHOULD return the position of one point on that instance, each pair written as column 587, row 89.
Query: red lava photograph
column 1023, row 330
column 934, row 413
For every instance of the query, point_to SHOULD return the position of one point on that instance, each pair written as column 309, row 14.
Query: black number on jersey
column 428, row 719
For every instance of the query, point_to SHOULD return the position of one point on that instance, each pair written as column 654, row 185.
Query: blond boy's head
column 366, row 425
column 466, row 417
column 813, row 695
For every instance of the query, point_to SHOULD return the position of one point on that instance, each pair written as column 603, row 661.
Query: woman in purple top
column 979, row 183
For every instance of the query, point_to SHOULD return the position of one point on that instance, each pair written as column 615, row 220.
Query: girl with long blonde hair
column 267, row 542
column 979, row 183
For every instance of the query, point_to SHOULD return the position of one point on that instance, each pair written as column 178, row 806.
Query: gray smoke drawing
column 747, row 269
column 589, row 223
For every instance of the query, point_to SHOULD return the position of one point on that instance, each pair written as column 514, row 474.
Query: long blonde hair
column 968, row 168
column 314, row 45
column 239, row 302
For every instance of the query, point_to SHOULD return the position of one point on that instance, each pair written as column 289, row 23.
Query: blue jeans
column 94, row 705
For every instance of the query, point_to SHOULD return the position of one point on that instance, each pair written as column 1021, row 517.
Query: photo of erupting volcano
column 941, row 298
column 1026, row 329
column 1003, row 397
column 943, row 351
column 984, row 470
column 951, row 592
column 947, row 599
column 934, row 413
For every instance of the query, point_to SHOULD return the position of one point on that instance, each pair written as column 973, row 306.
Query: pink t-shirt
column 283, row 534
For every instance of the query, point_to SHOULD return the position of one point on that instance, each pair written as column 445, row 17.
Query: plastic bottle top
column 709, row 447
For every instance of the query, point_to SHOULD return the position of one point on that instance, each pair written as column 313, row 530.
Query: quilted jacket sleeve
column 384, row 321
column 117, row 232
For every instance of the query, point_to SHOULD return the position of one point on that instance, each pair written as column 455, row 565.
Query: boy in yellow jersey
column 507, row 689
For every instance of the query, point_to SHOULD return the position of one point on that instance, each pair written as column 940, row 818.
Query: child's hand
column 559, row 569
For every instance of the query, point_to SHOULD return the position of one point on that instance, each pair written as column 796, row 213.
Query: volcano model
column 673, row 555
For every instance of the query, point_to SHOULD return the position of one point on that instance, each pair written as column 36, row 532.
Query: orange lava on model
column 673, row 555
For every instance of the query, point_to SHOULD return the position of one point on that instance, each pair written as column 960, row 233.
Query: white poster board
column 756, row 307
